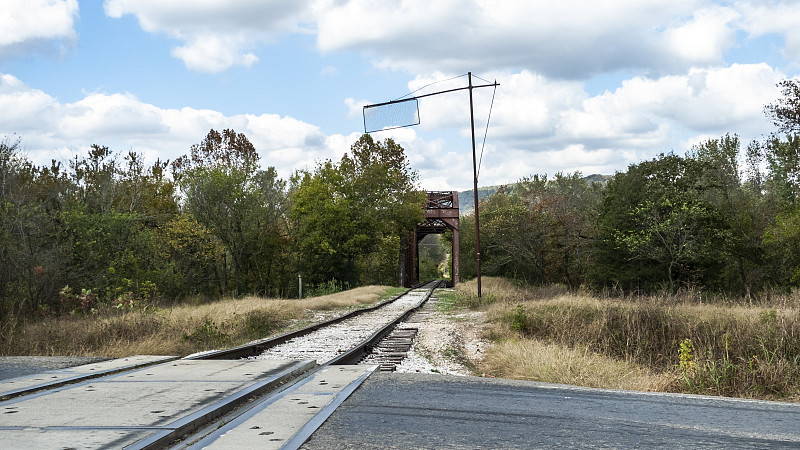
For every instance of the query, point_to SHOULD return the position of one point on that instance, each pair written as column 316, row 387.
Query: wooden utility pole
column 475, row 188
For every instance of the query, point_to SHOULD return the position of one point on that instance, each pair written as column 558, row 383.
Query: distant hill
column 597, row 178
column 466, row 199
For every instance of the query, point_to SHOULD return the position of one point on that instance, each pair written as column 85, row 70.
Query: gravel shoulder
column 448, row 342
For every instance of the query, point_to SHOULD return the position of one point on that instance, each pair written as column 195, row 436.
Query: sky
column 583, row 85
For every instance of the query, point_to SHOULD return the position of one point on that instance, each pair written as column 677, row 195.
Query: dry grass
column 358, row 296
column 177, row 330
column 736, row 347
column 530, row 359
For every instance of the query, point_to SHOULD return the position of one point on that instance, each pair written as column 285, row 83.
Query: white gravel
column 447, row 343
column 327, row 343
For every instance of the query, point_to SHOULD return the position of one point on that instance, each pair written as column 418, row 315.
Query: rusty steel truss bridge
column 441, row 216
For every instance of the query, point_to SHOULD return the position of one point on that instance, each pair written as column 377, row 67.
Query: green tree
column 224, row 191
column 347, row 218
column 513, row 238
column 31, row 254
column 785, row 113
column 431, row 255
column 674, row 236
column 539, row 230
column 783, row 165
column 567, row 204
column 194, row 258
column 782, row 241
column 95, row 178
column 326, row 231
column 741, row 206
column 269, row 261
column 655, row 226
column 109, row 253
column 145, row 190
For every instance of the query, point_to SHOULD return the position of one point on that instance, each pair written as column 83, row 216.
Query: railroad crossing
column 240, row 398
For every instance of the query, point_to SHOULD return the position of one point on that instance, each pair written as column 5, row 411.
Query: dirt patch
column 447, row 343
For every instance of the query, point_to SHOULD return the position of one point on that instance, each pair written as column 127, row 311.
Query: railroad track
column 340, row 341
column 392, row 349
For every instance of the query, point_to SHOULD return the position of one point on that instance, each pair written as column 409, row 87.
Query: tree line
column 108, row 228
column 721, row 217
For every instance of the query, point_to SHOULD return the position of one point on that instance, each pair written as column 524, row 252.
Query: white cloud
column 119, row 115
column 729, row 99
column 566, row 39
column 29, row 24
column 355, row 107
column 569, row 39
column 214, row 54
column 51, row 129
column 538, row 124
column 218, row 34
column 781, row 17
column 18, row 105
column 545, row 126
column 705, row 37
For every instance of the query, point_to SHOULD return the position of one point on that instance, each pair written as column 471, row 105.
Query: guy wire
column 430, row 84
column 480, row 161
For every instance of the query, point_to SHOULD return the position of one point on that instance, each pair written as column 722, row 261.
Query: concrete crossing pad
column 287, row 419
column 140, row 407
column 30, row 383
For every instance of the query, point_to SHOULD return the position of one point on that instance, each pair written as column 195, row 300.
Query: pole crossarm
column 417, row 97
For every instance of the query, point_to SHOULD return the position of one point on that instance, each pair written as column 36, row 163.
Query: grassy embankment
column 687, row 342
column 177, row 330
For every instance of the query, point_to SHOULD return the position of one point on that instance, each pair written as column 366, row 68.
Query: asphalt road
column 18, row 366
column 435, row 411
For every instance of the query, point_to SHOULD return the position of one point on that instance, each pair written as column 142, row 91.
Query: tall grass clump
column 331, row 287
column 720, row 348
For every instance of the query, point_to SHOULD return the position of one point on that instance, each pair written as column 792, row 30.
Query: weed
column 331, row 287
column 452, row 300
column 448, row 301
column 686, row 353
column 720, row 373
column 207, row 335
column 75, row 303
column 392, row 292
column 259, row 323
column 519, row 320
column 457, row 355
column 768, row 316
